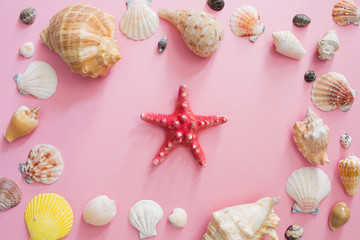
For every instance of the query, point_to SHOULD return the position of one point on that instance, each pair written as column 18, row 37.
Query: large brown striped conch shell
column 10, row 194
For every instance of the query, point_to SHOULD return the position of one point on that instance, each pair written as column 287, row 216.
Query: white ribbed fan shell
column 307, row 186
column 39, row 80
column 139, row 21
column 144, row 216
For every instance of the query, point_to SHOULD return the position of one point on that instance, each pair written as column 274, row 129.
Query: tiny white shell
column 100, row 211
column 178, row 218
column 346, row 140
column 27, row 50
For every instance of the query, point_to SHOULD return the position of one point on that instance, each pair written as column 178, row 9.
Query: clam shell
column 39, row 80
column 327, row 46
column 288, row 45
column 339, row 215
column 349, row 170
column 178, row 218
column 100, row 211
column 139, row 21
column 48, row 216
column 44, row 164
column 308, row 186
column 245, row 21
column 10, row 194
column 332, row 91
column 83, row 36
column 346, row 12
column 27, row 50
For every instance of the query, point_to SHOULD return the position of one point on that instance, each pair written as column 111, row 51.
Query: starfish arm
column 183, row 102
column 155, row 119
column 165, row 150
column 204, row 122
column 197, row 152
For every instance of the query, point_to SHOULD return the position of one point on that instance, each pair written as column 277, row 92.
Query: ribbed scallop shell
column 10, row 194
column 83, row 36
column 346, row 12
column 288, row 45
column 332, row 91
column 245, row 21
column 144, row 216
column 139, row 21
column 308, row 186
column 349, row 170
column 48, row 216
column 44, row 164
column 100, row 211
column 201, row 31
column 39, row 80
column 312, row 137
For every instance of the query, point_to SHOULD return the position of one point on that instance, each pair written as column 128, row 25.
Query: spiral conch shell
column 288, row 45
column 349, row 170
column 22, row 122
column 339, row 215
column 328, row 45
column 10, row 194
column 83, row 36
column 201, row 31
column 44, row 164
column 100, row 211
column 312, row 137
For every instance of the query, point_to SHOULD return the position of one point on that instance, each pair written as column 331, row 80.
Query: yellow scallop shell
column 48, row 216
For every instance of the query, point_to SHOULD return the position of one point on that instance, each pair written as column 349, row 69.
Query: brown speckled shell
column 28, row 15
column 10, row 194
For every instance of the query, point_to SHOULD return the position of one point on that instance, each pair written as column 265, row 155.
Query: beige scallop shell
column 10, row 194
column 339, row 215
column 346, row 12
column 349, row 170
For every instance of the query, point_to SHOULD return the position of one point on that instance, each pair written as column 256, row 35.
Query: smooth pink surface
column 108, row 150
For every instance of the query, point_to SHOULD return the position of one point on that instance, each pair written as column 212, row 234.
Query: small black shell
column 301, row 20
column 310, row 76
column 216, row 5
column 294, row 232
column 162, row 44
column 28, row 15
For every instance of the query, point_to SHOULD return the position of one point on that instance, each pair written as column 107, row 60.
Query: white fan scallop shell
column 139, row 21
column 39, row 80
column 144, row 216
column 288, row 45
column 308, row 186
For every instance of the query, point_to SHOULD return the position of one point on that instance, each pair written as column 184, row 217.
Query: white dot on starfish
column 178, row 134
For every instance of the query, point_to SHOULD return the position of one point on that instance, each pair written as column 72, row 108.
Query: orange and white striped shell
column 245, row 21
column 83, row 36
column 346, row 12
column 349, row 170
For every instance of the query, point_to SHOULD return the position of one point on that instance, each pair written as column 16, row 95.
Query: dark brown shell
column 10, row 194
column 301, row 20
column 216, row 5
column 310, row 76
column 28, row 15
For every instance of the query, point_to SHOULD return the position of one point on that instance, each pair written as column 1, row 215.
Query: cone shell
column 312, row 137
column 201, row 31
column 245, row 21
column 39, row 80
column 139, row 21
column 349, row 170
column 243, row 222
column 332, row 91
column 44, row 164
column 346, row 12
column 100, row 211
column 339, row 215
column 288, row 45
column 308, row 186
column 48, row 216
column 328, row 45
column 10, row 194
column 22, row 122
column 83, row 36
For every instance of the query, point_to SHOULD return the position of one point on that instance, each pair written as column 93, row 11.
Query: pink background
column 108, row 150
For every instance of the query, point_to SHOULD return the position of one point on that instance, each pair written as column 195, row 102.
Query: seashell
column 294, row 232
column 216, row 5
column 48, row 216
column 27, row 50
column 312, row 137
column 201, row 31
column 349, row 170
column 245, row 21
column 23, row 122
column 10, row 194
column 243, row 222
column 301, row 20
column 39, row 80
column 310, row 76
column 28, row 15
column 308, row 186
column 346, row 12
column 144, row 216
column 339, row 215
column 162, row 44
column 332, row 91
column 44, row 164
column 346, row 140
column 139, row 21
column 328, row 45
column 288, row 45
column 100, row 211
column 83, row 37
column 178, row 218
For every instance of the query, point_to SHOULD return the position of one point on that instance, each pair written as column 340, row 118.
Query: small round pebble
column 294, row 232
column 162, row 44
column 310, row 76
column 301, row 20
column 216, row 5
column 28, row 15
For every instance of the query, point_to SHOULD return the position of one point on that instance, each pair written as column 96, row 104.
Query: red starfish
column 182, row 128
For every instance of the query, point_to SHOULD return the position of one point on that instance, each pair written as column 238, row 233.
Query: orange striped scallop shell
column 346, row 12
